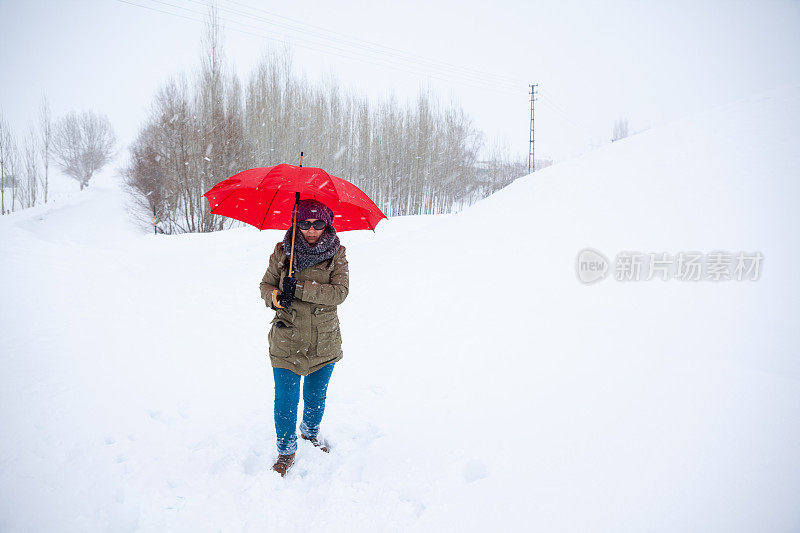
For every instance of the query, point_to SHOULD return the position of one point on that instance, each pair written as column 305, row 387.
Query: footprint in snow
column 474, row 470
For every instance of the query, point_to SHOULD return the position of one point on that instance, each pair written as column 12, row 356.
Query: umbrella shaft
column 294, row 226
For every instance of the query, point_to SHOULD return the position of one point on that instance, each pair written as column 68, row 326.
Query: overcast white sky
column 649, row 61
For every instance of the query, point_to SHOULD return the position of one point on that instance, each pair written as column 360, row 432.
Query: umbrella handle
column 275, row 299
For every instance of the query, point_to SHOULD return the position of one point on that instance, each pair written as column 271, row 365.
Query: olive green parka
column 311, row 337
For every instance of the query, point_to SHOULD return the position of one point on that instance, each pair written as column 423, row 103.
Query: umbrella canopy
column 264, row 197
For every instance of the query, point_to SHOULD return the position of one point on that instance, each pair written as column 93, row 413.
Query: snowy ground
column 483, row 386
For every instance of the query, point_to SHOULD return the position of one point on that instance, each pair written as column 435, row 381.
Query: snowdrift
column 483, row 385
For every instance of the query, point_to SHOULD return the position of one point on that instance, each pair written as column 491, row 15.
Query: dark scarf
column 306, row 255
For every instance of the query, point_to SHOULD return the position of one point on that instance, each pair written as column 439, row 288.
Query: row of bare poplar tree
column 419, row 158
column 24, row 170
column 78, row 143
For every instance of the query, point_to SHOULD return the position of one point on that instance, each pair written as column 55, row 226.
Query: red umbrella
column 265, row 197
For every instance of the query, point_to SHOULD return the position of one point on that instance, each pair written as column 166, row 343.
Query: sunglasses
column 306, row 224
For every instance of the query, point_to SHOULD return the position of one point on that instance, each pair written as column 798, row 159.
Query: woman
column 304, row 339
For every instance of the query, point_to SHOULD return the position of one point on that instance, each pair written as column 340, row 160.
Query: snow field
column 483, row 386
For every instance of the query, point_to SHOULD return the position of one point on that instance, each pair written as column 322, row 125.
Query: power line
column 581, row 128
column 327, row 48
column 388, row 53
column 546, row 95
column 513, row 82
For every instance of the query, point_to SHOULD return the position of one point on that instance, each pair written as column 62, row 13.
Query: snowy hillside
column 484, row 387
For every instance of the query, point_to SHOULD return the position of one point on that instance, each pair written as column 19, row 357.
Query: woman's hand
column 287, row 294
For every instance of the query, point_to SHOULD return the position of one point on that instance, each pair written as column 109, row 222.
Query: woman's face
column 312, row 235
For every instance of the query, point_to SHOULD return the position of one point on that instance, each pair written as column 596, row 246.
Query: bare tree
column 29, row 189
column 162, row 165
column 498, row 170
column 220, row 125
column 620, row 129
column 8, row 165
column 45, row 143
column 191, row 140
column 83, row 144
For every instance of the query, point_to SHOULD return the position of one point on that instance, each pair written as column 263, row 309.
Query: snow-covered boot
column 283, row 463
column 316, row 442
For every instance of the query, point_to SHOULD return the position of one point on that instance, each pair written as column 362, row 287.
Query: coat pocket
column 280, row 339
column 329, row 338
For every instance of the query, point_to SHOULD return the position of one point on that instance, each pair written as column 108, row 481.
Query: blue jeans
column 287, row 397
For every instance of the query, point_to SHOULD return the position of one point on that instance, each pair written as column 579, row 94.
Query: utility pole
column 531, row 160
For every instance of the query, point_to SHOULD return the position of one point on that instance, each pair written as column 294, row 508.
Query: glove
column 287, row 294
column 285, row 300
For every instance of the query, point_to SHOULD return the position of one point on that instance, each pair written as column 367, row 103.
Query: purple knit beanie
column 314, row 209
